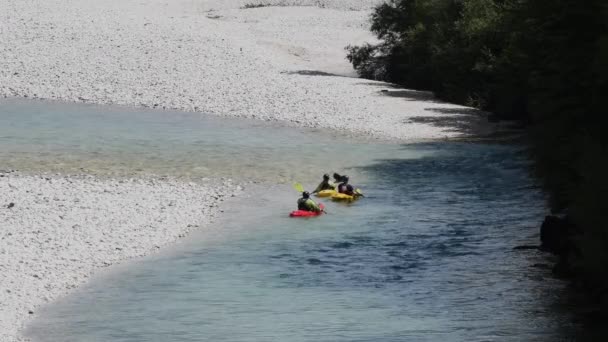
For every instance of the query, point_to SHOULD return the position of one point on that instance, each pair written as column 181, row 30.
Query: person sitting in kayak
column 325, row 184
column 343, row 187
column 349, row 190
column 305, row 203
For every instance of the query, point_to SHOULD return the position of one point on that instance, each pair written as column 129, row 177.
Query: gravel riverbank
column 274, row 62
column 57, row 230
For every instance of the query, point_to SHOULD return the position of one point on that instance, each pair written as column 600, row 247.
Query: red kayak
column 306, row 213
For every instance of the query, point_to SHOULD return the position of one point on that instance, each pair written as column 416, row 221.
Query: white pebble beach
column 60, row 229
column 271, row 63
column 282, row 62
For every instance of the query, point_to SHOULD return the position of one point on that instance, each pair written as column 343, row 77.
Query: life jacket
column 349, row 190
column 302, row 204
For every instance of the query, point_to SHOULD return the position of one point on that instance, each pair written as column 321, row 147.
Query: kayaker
column 349, row 190
column 343, row 187
column 337, row 178
column 325, row 184
column 305, row 203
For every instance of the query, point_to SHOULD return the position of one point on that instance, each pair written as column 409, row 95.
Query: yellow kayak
column 326, row 193
column 347, row 198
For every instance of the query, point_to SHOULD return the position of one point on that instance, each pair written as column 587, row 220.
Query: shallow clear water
column 426, row 256
column 119, row 141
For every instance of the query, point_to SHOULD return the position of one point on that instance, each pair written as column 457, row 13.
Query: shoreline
column 477, row 130
column 278, row 63
column 48, row 254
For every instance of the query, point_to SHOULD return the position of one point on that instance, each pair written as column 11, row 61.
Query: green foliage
column 366, row 61
column 542, row 62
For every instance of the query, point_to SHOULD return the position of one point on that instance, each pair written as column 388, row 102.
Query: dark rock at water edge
column 556, row 234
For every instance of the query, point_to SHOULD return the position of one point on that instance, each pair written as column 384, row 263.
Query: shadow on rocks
column 469, row 122
column 411, row 95
column 314, row 73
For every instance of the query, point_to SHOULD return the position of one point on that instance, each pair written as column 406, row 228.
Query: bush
column 544, row 63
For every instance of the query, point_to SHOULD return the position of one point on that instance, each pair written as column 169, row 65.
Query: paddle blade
column 298, row 187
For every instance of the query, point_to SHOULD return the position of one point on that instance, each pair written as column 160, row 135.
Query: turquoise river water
column 427, row 255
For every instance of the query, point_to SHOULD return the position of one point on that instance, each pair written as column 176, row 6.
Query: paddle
column 300, row 188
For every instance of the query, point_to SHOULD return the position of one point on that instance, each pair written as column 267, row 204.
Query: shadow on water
column 576, row 319
column 586, row 311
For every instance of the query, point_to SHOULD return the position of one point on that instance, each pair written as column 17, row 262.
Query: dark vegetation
column 544, row 63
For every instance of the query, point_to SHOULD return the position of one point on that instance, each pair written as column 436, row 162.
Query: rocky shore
column 57, row 230
column 266, row 60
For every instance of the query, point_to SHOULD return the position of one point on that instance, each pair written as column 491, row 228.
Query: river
column 427, row 255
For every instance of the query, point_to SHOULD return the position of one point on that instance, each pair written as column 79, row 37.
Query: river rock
column 555, row 233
